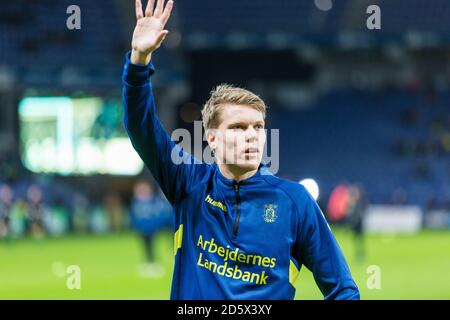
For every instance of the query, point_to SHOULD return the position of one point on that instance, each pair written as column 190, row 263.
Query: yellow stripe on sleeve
column 178, row 239
column 293, row 273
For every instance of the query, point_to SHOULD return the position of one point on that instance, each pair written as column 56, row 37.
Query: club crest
column 270, row 213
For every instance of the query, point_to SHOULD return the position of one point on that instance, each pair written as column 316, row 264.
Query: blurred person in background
column 357, row 206
column 115, row 210
column 6, row 203
column 17, row 225
column 80, row 216
column 338, row 203
column 148, row 216
column 35, row 212
column 166, row 210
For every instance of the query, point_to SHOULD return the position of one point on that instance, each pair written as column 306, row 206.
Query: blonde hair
column 228, row 94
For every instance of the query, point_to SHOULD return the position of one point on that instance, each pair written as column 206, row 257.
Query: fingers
column 167, row 11
column 159, row 12
column 139, row 13
column 159, row 8
column 149, row 8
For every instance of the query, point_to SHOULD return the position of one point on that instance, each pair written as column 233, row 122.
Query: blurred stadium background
column 364, row 113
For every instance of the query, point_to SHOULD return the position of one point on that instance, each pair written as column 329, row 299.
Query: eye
column 259, row 126
column 237, row 127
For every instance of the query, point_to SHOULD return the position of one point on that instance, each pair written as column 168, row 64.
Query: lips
column 251, row 150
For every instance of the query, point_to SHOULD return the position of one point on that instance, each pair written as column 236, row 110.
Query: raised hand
column 149, row 32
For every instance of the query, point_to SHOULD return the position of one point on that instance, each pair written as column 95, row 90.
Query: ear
column 211, row 138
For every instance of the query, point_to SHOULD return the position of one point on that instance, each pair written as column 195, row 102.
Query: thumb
column 162, row 35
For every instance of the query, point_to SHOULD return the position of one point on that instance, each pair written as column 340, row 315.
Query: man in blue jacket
column 150, row 213
column 240, row 232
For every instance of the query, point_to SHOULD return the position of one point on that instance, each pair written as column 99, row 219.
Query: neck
column 236, row 173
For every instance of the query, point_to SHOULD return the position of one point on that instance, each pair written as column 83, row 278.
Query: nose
column 251, row 134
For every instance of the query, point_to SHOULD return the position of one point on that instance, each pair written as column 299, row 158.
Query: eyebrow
column 245, row 123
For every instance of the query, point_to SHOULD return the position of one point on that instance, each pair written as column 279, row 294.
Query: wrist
column 140, row 57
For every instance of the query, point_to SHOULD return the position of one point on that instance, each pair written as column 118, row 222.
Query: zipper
column 238, row 209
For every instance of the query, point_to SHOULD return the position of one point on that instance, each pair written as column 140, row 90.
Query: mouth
column 251, row 151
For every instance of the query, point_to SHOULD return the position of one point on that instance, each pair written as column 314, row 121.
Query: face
column 239, row 140
column 5, row 194
column 143, row 190
column 34, row 194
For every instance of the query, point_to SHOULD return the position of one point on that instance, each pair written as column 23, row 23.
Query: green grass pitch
column 412, row 267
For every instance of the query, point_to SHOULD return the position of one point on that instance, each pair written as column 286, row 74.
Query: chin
column 249, row 165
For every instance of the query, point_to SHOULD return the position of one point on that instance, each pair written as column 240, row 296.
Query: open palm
column 149, row 32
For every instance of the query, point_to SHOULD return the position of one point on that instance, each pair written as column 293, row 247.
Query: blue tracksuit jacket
column 243, row 240
column 150, row 215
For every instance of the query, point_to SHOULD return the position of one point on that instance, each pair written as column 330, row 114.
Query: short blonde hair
column 228, row 94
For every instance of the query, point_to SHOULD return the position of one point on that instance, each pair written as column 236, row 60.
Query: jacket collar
column 262, row 170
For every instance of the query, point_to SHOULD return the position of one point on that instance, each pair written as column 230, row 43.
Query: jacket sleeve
column 319, row 251
column 175, row 170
